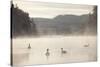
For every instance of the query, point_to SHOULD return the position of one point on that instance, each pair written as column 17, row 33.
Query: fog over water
column 74, row 45
column 51, row 33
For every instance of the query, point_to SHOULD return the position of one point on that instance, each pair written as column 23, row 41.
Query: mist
column 64, row 38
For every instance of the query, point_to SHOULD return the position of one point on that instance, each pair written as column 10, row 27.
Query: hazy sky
column 50, row 10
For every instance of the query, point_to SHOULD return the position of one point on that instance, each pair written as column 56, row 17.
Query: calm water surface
column 73, row 45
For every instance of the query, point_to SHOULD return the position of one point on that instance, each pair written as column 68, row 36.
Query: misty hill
column 23, row 25
column 64, row 25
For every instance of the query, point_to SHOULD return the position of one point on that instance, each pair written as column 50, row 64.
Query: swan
column 29, row 47
column 63, row 51
column 87, row 45
column 47, row 52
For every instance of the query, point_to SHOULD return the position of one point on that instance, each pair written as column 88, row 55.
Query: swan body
column 63, row 51
column 87, row 45
column 29, row 47
column 47, row 52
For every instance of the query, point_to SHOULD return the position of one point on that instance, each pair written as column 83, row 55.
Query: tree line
column 21, row 23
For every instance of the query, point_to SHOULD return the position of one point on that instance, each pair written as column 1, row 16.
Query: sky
column 51, row 10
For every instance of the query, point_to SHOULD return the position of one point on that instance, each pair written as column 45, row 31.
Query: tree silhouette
column 21, row 23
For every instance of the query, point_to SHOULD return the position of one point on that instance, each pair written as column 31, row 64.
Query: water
column 74, row 45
